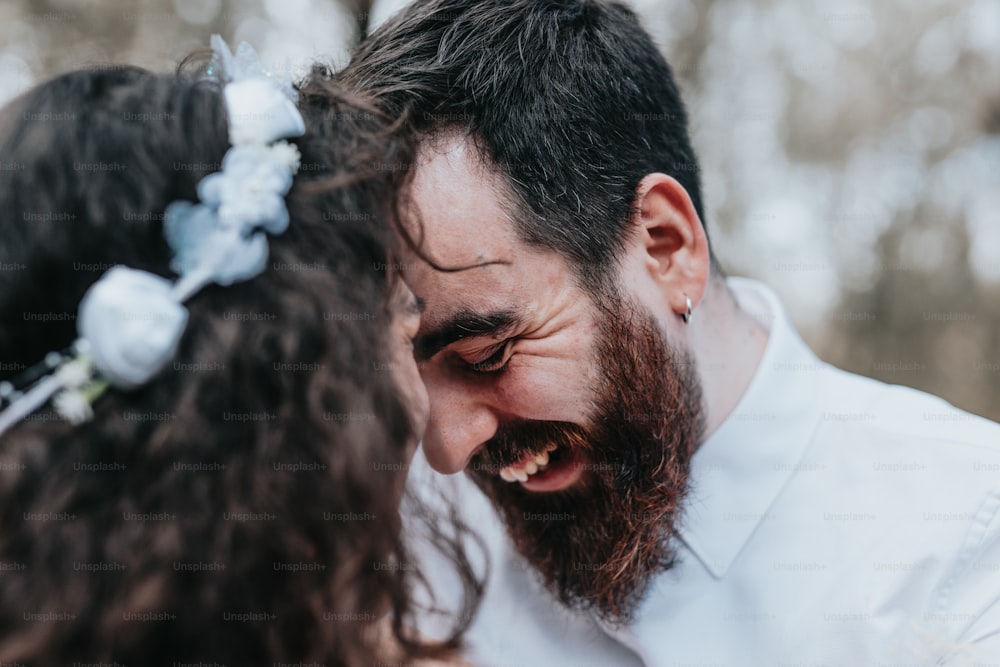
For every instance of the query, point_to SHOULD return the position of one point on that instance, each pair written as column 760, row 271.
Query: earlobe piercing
column 686, row 316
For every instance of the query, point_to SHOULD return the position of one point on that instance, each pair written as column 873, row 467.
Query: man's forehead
column 459, row 212
column 465, row 223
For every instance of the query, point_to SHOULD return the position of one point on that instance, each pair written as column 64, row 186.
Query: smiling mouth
column 552, row 469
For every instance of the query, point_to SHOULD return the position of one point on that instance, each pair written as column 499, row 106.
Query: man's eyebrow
column 464, row 324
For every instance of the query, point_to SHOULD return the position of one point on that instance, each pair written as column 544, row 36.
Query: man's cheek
column 546, row 396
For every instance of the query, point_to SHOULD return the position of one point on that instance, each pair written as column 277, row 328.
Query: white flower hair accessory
column 130, row 322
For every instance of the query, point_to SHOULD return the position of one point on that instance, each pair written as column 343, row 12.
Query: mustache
column 516, row 439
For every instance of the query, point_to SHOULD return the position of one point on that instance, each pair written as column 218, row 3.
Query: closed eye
column 494, row 364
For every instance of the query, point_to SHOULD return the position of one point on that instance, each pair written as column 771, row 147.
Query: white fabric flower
column 250, row 190
column 259, row 112
column 133, row 324
column 73, row 406
column 202, row 244
column 76, row 373
column 286, row 154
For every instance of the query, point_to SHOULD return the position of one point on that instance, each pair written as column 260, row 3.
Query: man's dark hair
column 569, row 99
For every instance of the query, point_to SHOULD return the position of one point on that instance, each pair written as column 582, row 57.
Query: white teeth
column 520, row 473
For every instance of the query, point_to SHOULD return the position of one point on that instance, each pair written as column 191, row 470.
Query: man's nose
column 460, row 422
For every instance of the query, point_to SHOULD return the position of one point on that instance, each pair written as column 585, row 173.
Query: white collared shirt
column 832, row 520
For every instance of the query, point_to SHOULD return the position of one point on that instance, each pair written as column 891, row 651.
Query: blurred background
column 850, row 148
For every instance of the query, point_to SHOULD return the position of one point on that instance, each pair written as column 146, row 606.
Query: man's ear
column 674, row 242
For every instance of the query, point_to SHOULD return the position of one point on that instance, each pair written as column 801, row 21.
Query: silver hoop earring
column 686, row 316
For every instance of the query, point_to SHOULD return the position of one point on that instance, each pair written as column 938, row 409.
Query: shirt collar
column 739, row 470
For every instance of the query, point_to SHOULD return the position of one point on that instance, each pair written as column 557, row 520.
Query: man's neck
column 728, row 344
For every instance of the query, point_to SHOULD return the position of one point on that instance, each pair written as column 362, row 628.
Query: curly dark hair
column 242, row 507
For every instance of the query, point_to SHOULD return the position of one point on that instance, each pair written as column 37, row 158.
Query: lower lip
column 556, row 478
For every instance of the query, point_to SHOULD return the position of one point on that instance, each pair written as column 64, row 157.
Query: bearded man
column 680, row 479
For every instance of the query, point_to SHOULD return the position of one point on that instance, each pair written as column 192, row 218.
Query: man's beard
column 599, row 543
